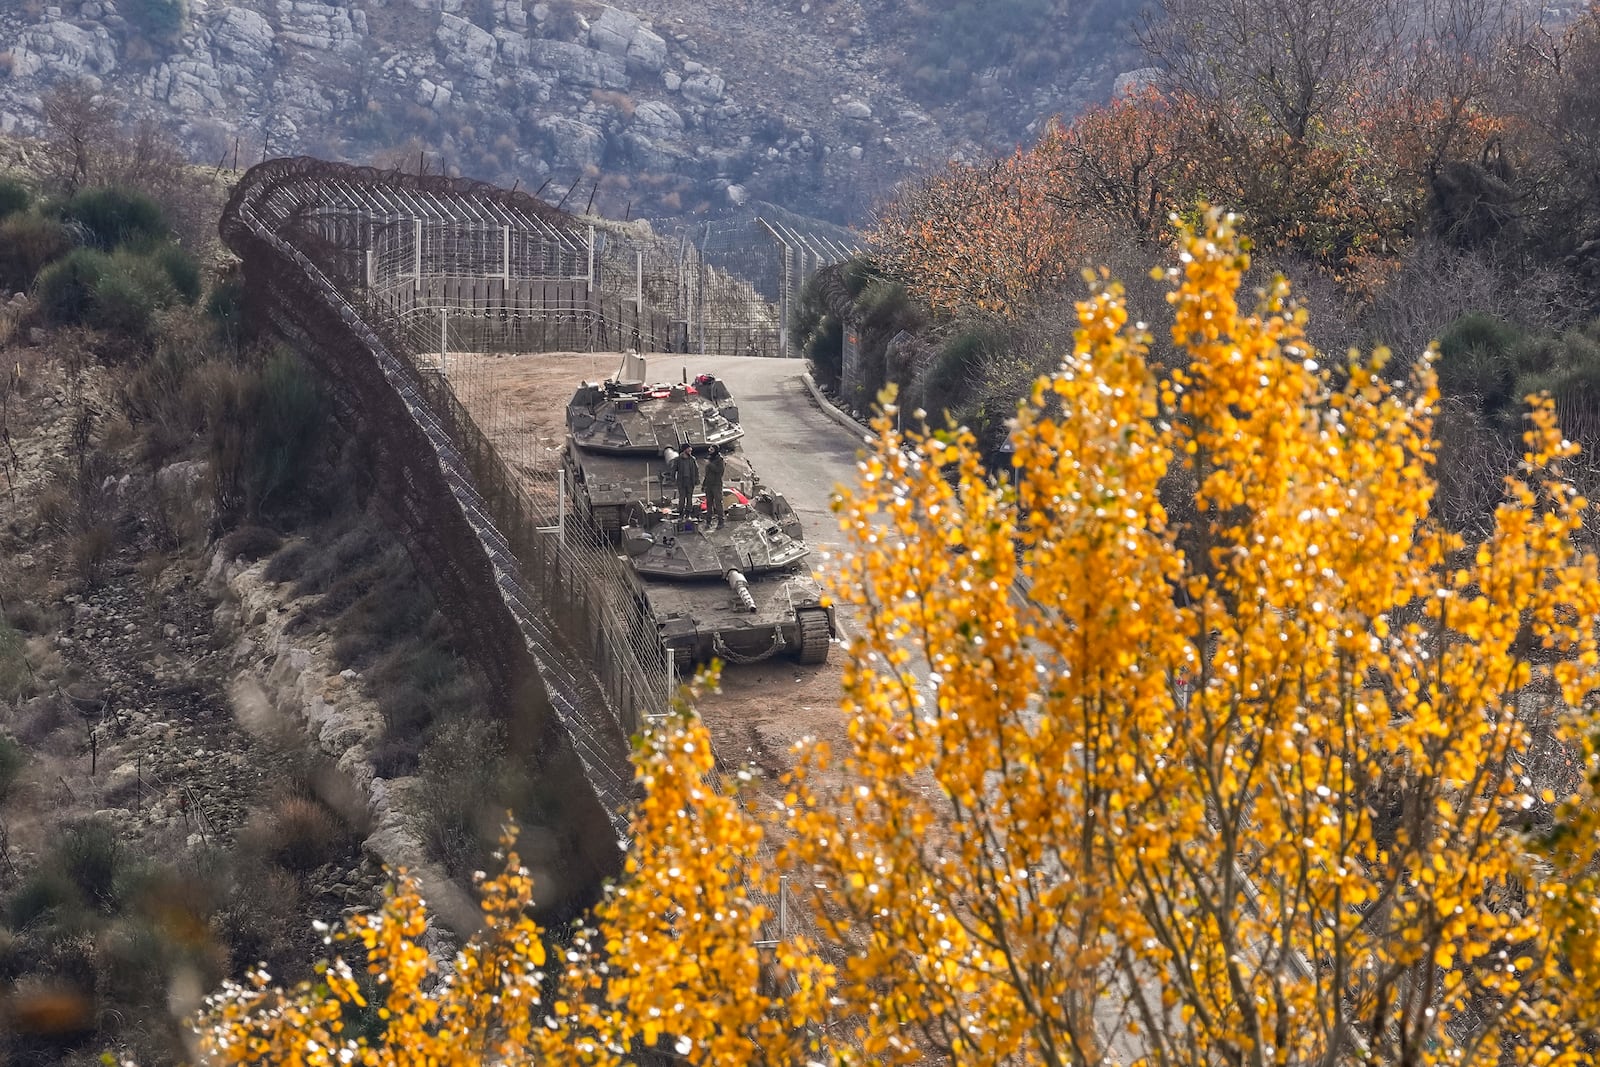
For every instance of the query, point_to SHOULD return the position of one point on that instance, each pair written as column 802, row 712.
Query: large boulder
column 652, row 155
column 706, row 88
column 466, row 47
column 63, row 50
column 575, row 65
column 187, row 85
column 648, row 51
column 513, row 47
column 618, row 33
column 322, row 27
column 245, row 37
column 573, row 143
column 654, row 117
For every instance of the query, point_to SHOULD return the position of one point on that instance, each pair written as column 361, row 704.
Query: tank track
column 815, row 638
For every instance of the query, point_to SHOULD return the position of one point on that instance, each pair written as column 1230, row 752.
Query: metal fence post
column 588, row 280
column 783, row 307
column 704, row 241
column 444, row 338
column 416, row 256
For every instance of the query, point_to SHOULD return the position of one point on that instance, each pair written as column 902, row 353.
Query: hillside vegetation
column 1433, row 179
column 186, row 527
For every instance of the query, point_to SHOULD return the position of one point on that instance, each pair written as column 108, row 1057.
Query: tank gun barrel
column 741, row 588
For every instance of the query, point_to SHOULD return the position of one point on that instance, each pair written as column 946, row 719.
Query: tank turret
column 663, row 544
column 625, row 416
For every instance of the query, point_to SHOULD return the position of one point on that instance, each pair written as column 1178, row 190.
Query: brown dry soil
column 760, row 710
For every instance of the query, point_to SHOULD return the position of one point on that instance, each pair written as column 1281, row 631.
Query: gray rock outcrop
column 623, row 35
column 573, row 143
column 465, row 47
column 57, row 48
column 701, row 95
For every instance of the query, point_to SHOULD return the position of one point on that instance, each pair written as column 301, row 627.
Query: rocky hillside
column 667, row 107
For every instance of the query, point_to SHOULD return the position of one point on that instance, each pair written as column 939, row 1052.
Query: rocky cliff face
column 679, row 106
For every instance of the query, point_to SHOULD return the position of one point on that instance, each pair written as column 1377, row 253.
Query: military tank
column 626, row 416
column 738, row 591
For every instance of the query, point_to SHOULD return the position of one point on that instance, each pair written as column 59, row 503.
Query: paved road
column 795, row 447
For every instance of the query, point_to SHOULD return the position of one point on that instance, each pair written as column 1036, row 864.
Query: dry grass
column 90, row 551
column 298, row 832
column 607, row 98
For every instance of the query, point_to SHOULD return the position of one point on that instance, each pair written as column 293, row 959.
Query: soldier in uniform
column 681, row 467
column 713, row 486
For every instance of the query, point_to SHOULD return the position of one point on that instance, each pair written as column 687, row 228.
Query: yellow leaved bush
column 1192, row 740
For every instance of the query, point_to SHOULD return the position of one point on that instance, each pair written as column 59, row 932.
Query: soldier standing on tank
column 713, row 487
column 681, row 466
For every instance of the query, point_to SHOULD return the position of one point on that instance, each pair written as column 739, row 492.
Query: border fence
column 397, row 286
column 494, row 561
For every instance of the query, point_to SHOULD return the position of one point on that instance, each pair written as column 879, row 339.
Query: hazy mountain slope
column 674, row 105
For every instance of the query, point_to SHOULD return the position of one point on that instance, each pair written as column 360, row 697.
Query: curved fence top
column 424, row 453
column 280, row 189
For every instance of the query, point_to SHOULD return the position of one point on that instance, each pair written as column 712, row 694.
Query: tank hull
column 608, row 488
column 706, row 620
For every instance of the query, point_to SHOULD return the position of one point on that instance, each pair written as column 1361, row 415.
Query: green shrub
column 159, row 20
column 225, row 308
column 263, row 427
column 92, row 858
column 14, row 671
column 285, row 430
column 66, row 288
column 818, row 335
column 27, row 245
column 351, row 548
column 46, row 895
column 261, row 921
column 14, row 197
column 300, row 833
column 1477, row 360
column 948, row 381
column 12, row 760
column 289, row 562
column 115, row 217
column 119, row 293
column 1568, row 369
column 146, row 271
column 155, row 392
column 250, row 543
column 181, row 269
column 461, row 791
column 120, row 304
